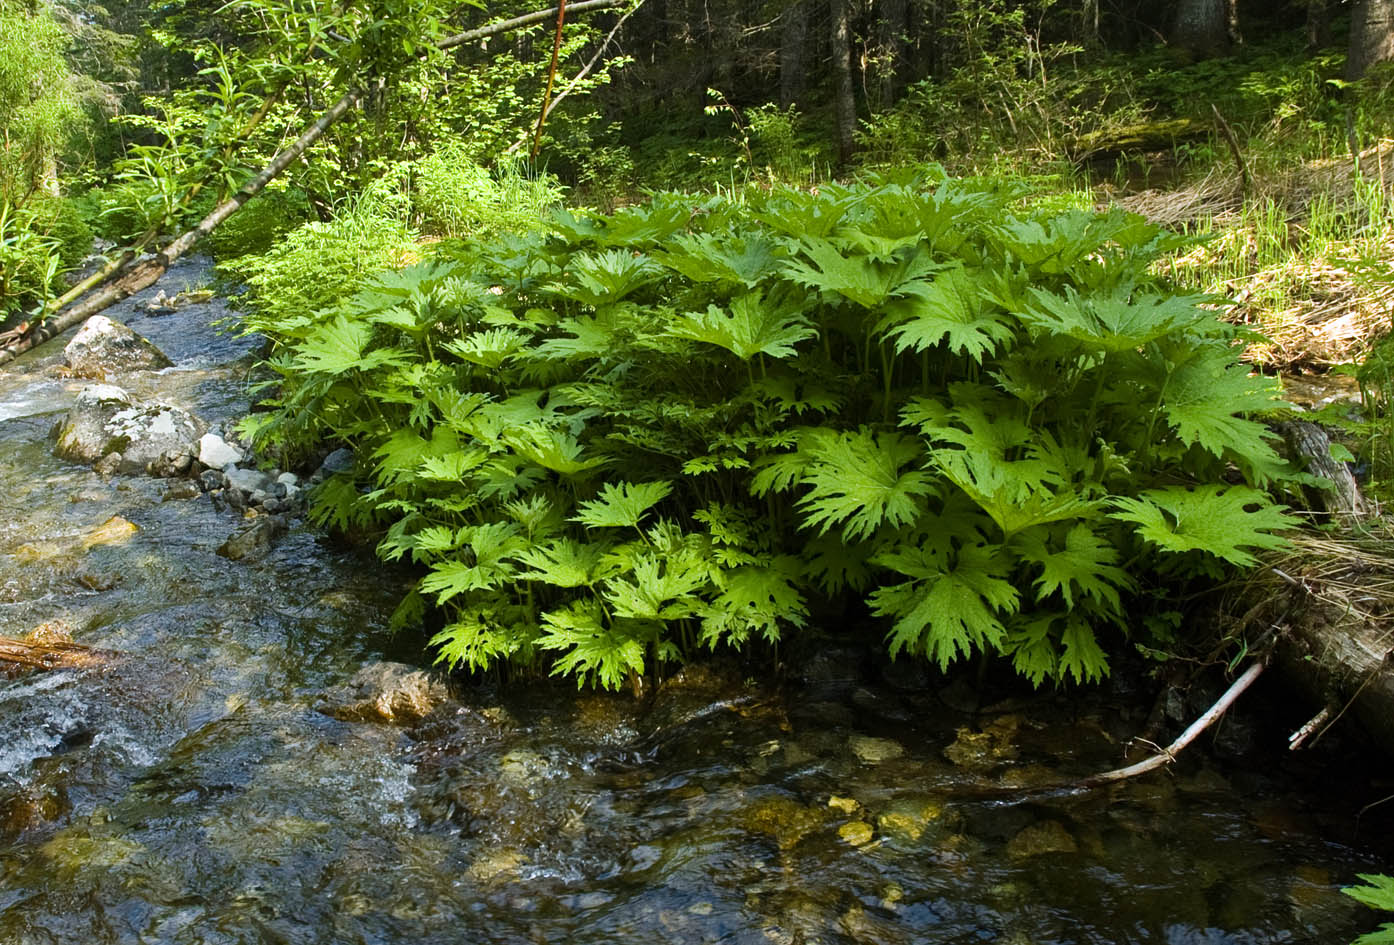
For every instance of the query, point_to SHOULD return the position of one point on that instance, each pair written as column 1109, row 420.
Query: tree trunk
column 1371, row 37
column 890, row 49
column 1318, row 25
column 844, row 95
column 1200, row 28
column 793, row 38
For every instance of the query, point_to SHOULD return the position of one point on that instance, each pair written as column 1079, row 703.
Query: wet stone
column 103, row 346
column 1048, row 836
column 254, row 540
column 386, row 692
column 873, row 751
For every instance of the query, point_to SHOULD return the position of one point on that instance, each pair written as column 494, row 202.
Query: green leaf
column 1085, row 565
column 1378, row 893
column 857, row 278
column 1113, row 323
column 622, row 505
column 551, row 448
column 947, row 611
column 562, row 562
column 753, row 326
column 855, row 480
column 587, row 647
column 1215, row 519
column 952, row 308
column 1081, row 657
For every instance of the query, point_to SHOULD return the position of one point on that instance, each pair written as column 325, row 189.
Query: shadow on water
column 187, row 790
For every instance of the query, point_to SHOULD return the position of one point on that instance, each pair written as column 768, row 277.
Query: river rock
column 1048, row 836
column 341, row 460
column 247, row 480
column 386, row 692
column 214, row 452
column 103, row 346
column 254, row 540
column 105, row 420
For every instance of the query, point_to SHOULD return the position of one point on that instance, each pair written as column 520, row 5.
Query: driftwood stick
column 1162, row 758
column 43, row 655
column 1168, row 754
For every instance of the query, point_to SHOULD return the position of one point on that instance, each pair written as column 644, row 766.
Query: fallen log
column 1332, row 601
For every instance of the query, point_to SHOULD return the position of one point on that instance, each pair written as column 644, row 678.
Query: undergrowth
column 708, row 422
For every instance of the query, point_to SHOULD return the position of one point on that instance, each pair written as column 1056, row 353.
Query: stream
column 187, row 788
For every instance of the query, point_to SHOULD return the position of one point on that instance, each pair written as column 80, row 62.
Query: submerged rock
column 102, row 346
column 106, row 421
column 1048, row 836
column 386, row 692
column 254, row 540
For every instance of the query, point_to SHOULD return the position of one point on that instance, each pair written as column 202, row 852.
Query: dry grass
column 1351, row 571
column 1284, row 253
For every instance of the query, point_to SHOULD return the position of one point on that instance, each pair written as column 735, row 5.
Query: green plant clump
column 701, row 422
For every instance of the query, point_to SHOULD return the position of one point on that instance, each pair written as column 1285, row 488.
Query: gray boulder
column 103, row 346
column 105, row 420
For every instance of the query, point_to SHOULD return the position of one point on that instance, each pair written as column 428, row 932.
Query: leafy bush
column 320, row 263
column 454, row 196
column 260, row 225
column 30, row 261
column 700, row 422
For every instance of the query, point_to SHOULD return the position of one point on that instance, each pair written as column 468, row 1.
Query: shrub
column 260, row 225
column 700, row 423
column 454, row 196
column 319, row 263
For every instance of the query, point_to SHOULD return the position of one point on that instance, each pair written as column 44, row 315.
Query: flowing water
column 185, row 788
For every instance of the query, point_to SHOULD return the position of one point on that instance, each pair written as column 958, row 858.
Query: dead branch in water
column 45, row 656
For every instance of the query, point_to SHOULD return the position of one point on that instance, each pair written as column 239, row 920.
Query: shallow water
column 186, row 790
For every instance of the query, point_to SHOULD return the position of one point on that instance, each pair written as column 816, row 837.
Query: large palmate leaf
column 587, row 647
column 621, row 504
column 1205, row 399
column 708, row 257
column 951, row 309
column 339, row 345
column 1377, row 893
column 1077, row 563
column 753, row 325
column 755, row 599
column 606, row 277
column 551, row 448
column 858, row 480
column 946, row 610
column 485, row 566
column 490, row 348
column 1219, row 520
column 658, row 588
column 562, row 562
column 1116, row 322
column 827, row 267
